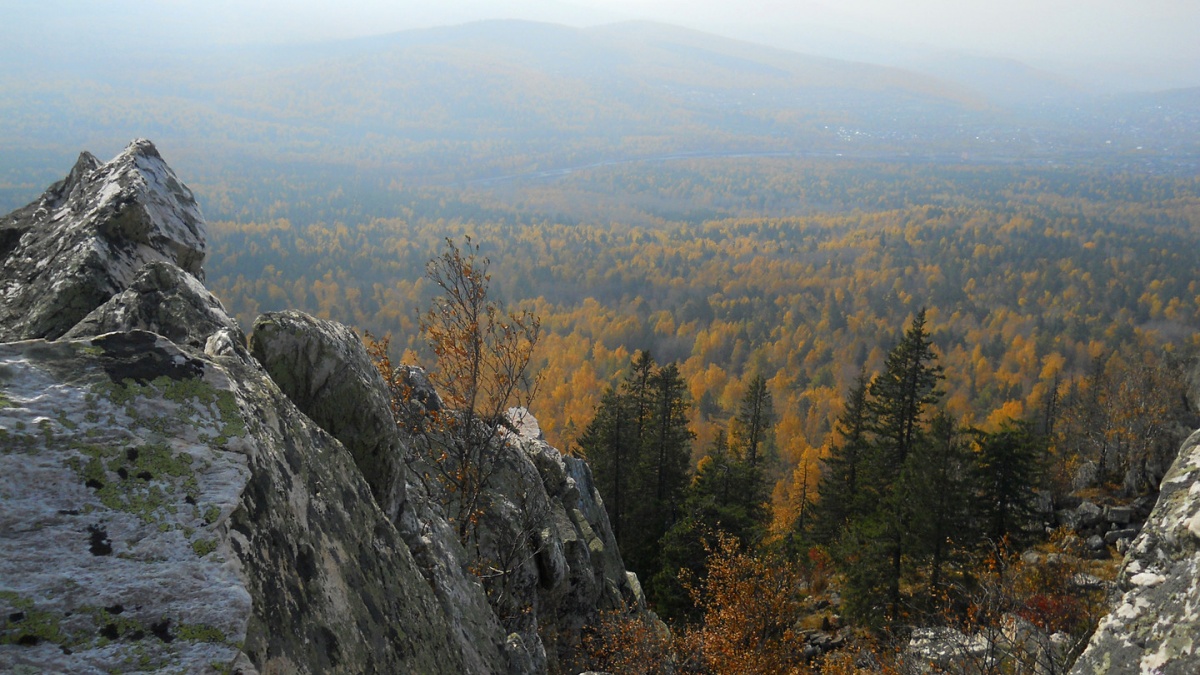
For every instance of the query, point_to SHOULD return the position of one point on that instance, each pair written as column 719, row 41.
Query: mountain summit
column 89, row 235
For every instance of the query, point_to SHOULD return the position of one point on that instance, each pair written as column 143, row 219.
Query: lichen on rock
column 1154, row 625
column 106, row 492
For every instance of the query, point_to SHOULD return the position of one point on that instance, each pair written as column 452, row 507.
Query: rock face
column 1154, row 627
column 544, row 537
column 171, row 499
column 162, row 299
column 87, row 237
column 324, row 369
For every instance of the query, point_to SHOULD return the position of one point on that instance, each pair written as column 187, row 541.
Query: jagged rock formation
column 168, row 502
column 87, row 237
column 544, row 537
column 323, row 367
column 162, row 299
column 1154, row 626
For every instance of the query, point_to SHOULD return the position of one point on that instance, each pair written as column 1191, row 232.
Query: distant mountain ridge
column 456, row 104
column 487, row 94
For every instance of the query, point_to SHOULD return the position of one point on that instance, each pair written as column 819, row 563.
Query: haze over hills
column 755, row 226
column 501, row 98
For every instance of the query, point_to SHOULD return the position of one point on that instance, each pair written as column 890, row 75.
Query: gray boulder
column 1118, row 515
column 1153, row 625
column 1087, row 475
column 324, row 369
column 162, row 299
column 1113, row 536
column 88, row 236
column 1088, row 515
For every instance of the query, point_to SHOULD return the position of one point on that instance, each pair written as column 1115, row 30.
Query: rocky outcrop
column 324, row 368
column 549, row 559
column 165, row 508
column 173, row 499
column 88, row 236
column 1154, row 626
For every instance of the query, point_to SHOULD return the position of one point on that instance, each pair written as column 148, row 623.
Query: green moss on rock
column 203, row 547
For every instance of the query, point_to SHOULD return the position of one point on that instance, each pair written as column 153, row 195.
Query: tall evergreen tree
column 638, row 391
column 939, row 479
column 728, row 494
column 1007, row 474
column 666, row 454
column 843, row 476
column 897, row 400
column 755, row 420
column 639, row 446
column 613, row 451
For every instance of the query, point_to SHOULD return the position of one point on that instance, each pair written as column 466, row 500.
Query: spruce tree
column 939, row 479
column 639, row 446
column 897, row 400
column 755, row 420
column 663, row 473
column 1007, row 473
column 612, row 450
column 842, row 481
column 729, row 495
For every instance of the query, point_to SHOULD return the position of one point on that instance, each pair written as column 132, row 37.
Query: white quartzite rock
column 1154, row 627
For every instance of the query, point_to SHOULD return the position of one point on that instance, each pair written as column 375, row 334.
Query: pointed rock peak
column 84, row 166
column 166, row 216
column 142, row 147
column 87, row 237
column 61, row 191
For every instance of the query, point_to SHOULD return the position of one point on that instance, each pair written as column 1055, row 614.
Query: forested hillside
column 1031, row 279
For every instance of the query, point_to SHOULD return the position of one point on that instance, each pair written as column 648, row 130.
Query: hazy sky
column 1108, row 33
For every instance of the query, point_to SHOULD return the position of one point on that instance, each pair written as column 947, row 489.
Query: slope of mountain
column 499, row 98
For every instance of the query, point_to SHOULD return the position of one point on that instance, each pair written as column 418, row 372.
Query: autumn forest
column 802, row 272
column 1057, row 308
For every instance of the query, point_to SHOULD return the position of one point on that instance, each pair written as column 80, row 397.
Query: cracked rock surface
column 87, row 237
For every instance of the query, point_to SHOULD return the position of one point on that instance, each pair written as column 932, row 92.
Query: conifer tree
column 1007, row 462
column 843, row 475
column 611, row 446
column 728, row 495
column 939, row 480
column 755, row 420
column 663, row 474
column 639, row 445
column 890, row 476
column 898, row 399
